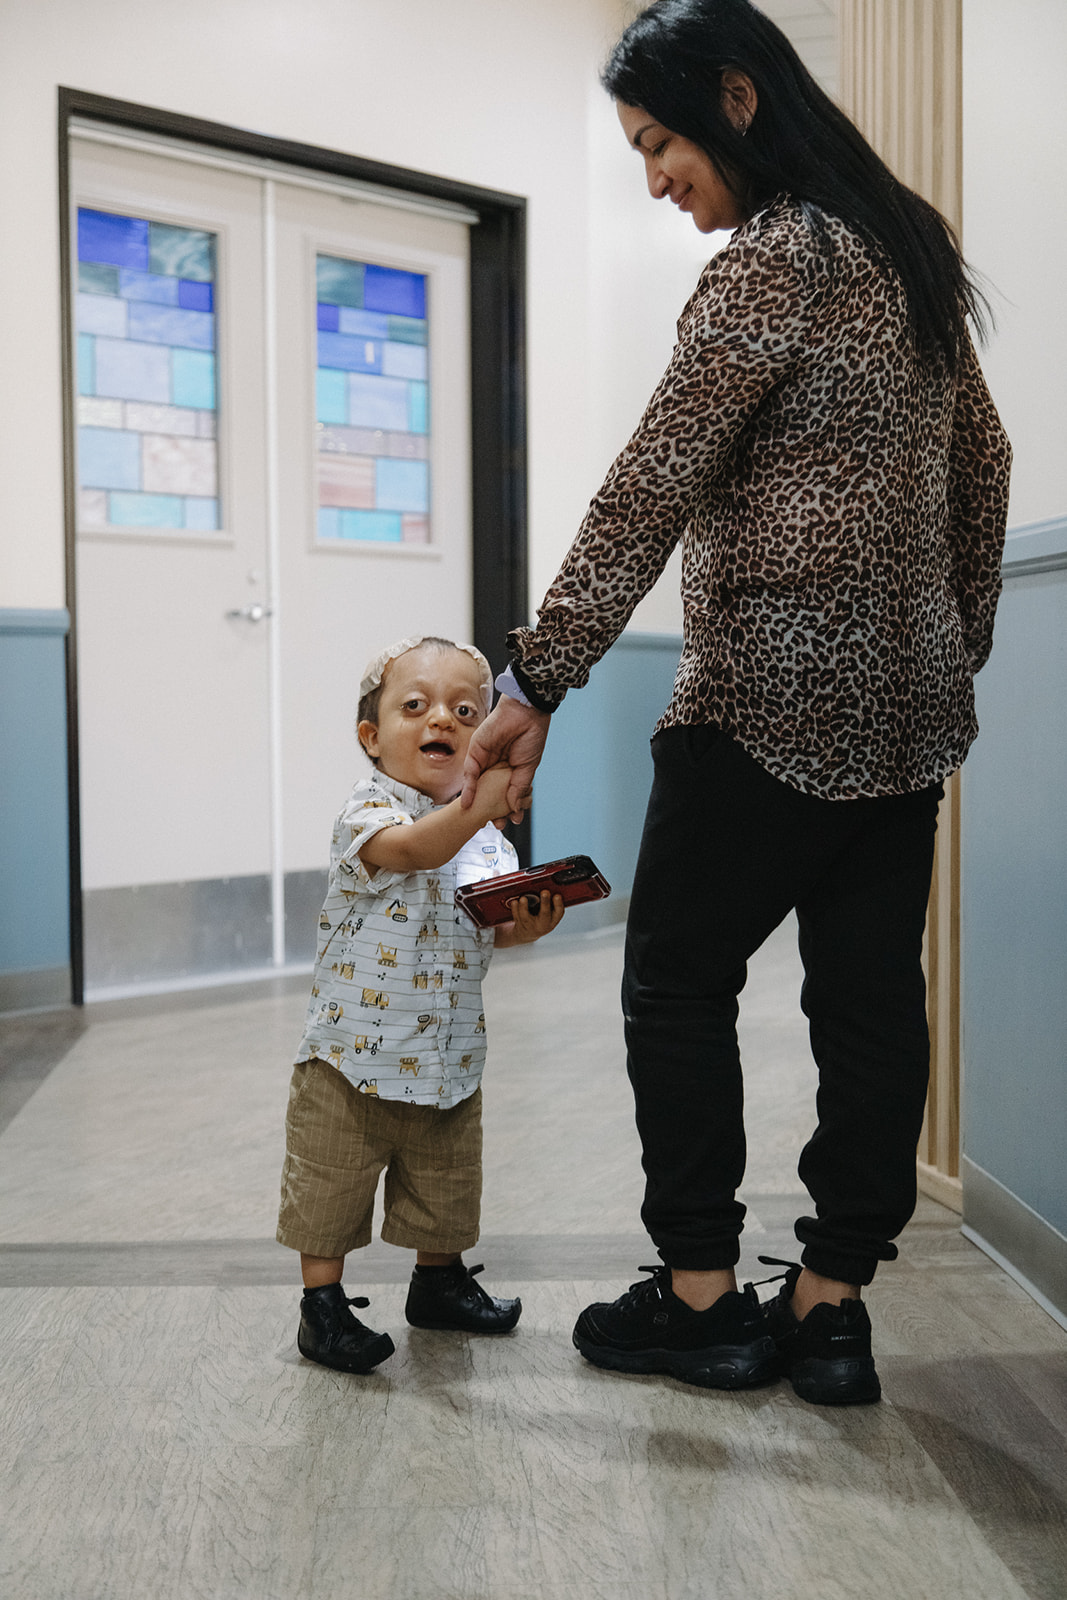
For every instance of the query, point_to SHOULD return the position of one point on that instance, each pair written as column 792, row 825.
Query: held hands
column 491, row 796
column 513, row 733
column 530, row 926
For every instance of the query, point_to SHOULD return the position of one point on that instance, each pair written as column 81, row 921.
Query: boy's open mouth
column 436, row 747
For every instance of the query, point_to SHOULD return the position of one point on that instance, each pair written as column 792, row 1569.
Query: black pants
column 727, row 852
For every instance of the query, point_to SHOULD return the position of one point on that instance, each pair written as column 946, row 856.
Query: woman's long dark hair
column 670, row 63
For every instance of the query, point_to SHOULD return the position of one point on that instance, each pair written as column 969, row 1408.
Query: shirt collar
column 413, row 800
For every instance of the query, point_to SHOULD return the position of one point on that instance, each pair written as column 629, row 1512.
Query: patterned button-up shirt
column 396, row 1002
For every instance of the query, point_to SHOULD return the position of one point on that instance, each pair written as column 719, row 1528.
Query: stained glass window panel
column 372, row 403
column 147, row 402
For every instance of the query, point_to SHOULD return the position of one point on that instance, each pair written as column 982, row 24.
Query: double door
column 273, row 469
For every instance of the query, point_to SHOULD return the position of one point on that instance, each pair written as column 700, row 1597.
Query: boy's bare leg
column 320, row 1270
column 436, row 1258
column 701, row 1289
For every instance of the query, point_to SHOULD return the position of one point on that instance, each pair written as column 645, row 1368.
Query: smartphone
column 575, row 877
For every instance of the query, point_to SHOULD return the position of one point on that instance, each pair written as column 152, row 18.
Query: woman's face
column 678, row 170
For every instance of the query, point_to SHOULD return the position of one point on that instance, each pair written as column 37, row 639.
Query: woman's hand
column 515, row 734
column 529, row 926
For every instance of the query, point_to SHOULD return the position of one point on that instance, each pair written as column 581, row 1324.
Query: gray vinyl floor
column 161, row 1437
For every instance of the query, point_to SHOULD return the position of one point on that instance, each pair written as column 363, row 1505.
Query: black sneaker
column 448, row 1297
column 332, row 1336
column 826, row 1357
column 649, row 1329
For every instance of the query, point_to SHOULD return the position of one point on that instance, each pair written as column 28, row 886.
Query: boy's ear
column 367, row 734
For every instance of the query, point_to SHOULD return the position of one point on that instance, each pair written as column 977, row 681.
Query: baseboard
column 1016, row 1237
column 43, row 989
column 940, row 1187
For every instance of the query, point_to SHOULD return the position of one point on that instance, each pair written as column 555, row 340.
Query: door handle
column 251, row 613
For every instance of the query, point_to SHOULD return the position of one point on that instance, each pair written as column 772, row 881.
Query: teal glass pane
column 146, row 511
column 383, row 527
column 181, row 252
column 146, row 374
column 419, row 403
column 339, row 283
column 331, row 396
column 193, row 379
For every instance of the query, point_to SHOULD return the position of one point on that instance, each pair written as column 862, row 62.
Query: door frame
column 498, row 392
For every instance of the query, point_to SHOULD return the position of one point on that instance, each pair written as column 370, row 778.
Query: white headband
column 375, row 670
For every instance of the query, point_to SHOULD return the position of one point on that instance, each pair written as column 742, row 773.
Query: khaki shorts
column 339, row 1142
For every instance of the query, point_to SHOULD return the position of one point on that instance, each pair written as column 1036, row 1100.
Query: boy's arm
column 436, row 837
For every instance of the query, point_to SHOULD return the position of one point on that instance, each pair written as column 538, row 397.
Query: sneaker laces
column 776, row 1277
column 637, row 1293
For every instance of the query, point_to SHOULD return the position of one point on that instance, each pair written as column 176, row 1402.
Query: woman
column 825, row 447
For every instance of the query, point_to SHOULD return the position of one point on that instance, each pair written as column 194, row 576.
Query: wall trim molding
column 1035, row 547
column 24, row 619
column 649, row 641
column 1016, row 1237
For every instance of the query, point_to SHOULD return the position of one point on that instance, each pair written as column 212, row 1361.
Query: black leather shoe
column 826, row 1357
column 332, row 1336
column 649, row 1329
column 448, row 1297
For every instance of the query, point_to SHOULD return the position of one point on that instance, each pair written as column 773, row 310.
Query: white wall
column 490, row 92
column 1015, row 229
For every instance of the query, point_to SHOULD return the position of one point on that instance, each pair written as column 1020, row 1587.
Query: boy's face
column 431, row 703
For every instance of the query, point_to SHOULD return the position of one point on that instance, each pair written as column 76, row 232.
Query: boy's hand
column 514, row 733
column 529, row 926
column 491, row 796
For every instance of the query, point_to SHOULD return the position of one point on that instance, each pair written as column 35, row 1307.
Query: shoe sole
column 374, row 1354
column 721, row 1367
column 435, row 1326
column 837, row 1383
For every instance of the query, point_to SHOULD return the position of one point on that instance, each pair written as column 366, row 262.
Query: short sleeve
column 357, row 825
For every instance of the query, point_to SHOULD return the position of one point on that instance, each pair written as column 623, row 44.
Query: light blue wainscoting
column 1015, row 925
column 34, row 862
column 592, row 785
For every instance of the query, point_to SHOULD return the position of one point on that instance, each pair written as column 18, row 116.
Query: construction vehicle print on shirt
column 331, row 1013
column 459, row 960
column 343, row 969
column 433, row 891
column 348, row 930
column 479, row 1026
column 410, row 1064
column 427, row 934
column 337, row 1052
column 425, row 1020
column 465, row 1062
column 453, row 1000
column 427, row 980
column 363, row 1041
column 398, row 911
column 386, row 956
column 375, row 997
column 367, row 1086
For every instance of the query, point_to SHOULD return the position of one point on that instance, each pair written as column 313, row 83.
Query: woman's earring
column 742, row 126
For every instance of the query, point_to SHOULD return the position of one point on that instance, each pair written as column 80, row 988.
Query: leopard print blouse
column 842, row 509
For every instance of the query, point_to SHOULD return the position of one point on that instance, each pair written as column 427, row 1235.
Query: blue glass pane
column 181, row 252
column 109, row 458
column 145, row 510
column 376, row 402
column 148, row 286
column 329, row 522
column 386, row 289
column 404, row 360
column 101, row 313
column 120, row 241
column 129, row 371
column 371, row 324
column 328, row 318
column 170, row 325
column 350, row 355
column 339, row 282
column 201, row 514
column 86, row 364
column 382, row 526
column 331, row 397
column 194, row 379
column 406, row 330
column 419, row 414
column 95, row 279
column 402, row 485
column 195, row 296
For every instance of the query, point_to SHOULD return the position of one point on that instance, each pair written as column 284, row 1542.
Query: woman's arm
column 979, row 470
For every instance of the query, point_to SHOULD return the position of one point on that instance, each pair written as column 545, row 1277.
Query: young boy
column 388, row 1072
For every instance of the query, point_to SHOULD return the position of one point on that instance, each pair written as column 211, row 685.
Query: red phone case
column 576, row 878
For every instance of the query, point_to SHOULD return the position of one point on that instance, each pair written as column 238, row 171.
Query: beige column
column 900, row 78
